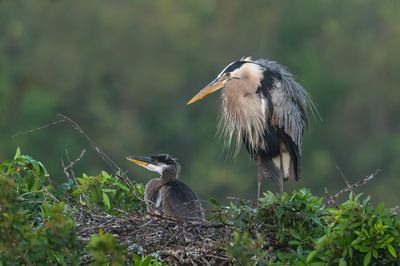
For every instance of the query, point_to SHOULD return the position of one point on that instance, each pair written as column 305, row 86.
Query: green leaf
column 367, row 259
column 311, row 256
column 215, row 203
column 318, row 263
column 35, row 166
column 146, row 261
column 17, row 153
column 123, row 187
column 294, row 242
column 110, row 190
column 106, row 200
column 105, row 174
column 342, row 262
column 137, row 259
column 76, row 192
column 391, row 250
column 375, row 253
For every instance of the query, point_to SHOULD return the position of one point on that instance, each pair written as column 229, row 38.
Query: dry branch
column 331, row 200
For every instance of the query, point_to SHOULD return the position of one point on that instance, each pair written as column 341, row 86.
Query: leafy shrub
column 245, row 250
column 34, row 225
column 140, row 260
column 289, row 219
column 108, row 193
column 53, row 242
column 359, row 234
column 298, row 230
column 105, row 250
column 31, row 185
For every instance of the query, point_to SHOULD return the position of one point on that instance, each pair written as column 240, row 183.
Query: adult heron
column 264, row 107
column 166, row 194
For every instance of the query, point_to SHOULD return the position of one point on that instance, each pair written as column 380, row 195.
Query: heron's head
column 244, row 71
column 160, row 163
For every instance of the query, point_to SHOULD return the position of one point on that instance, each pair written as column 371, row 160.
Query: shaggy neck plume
column 241, row 116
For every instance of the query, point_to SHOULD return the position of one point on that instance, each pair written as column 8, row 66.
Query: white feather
column 286, row 163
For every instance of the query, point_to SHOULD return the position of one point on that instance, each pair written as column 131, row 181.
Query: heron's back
column 175, row 199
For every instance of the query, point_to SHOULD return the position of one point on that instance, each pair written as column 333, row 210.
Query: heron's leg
column 259, row 176
column 281, row 172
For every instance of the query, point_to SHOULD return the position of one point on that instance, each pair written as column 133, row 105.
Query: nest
column 171, row 241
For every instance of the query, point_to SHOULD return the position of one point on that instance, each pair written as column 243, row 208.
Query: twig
column 395, row 210
column 349, row 187
column 66, row 174
column 70, row 166
column 38, row 128
column 44, row 191
column 329, row 199
column 102, row 154
column 360, row 183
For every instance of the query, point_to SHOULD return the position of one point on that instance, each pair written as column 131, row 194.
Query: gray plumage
column 290, row 101
column 167, row 195
column 264, row 107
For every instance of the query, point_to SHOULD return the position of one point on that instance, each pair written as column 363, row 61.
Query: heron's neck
column 151, row 190
column 169, row 174
column 242, row 114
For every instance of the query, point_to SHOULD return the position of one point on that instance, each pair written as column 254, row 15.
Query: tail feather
column 270, row 170
column 281, row 167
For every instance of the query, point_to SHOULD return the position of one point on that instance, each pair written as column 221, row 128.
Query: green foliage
column 108, row 193
column 245, row 250
column 140, row 260
column 358, row 233
column 299, row 230
column 294, row 218
column 105, row 250
column 31, row 185
column 291, row 219
column 285, row 229
column 34, row 225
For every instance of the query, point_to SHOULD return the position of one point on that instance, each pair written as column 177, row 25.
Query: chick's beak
column 140, row 160
column 215, row 85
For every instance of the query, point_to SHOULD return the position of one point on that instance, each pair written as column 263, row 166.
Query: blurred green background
column 124, row 71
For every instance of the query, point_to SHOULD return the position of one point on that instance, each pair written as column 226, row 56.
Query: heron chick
column 264, row 107
column 167, row 195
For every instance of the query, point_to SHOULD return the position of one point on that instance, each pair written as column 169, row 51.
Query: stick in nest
column 119, row 173
column 349, row 187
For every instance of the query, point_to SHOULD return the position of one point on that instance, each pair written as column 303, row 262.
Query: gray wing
column 289, row 101
column 179, row 201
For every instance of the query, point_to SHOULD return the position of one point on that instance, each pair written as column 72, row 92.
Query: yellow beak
column 215, row 85
column 138, row 160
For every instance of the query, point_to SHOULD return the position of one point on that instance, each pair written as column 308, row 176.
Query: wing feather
column 288, row 98
column 287, row 119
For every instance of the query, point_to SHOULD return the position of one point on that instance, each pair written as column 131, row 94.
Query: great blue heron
column 263, row 106
column 166, row 194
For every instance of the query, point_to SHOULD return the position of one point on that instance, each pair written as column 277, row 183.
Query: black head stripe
column 232, row 66
column 164, row 158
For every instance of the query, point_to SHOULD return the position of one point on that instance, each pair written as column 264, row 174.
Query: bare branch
column 38, row 128
column 349, row 187
column 69, row 167
column 103, row 155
